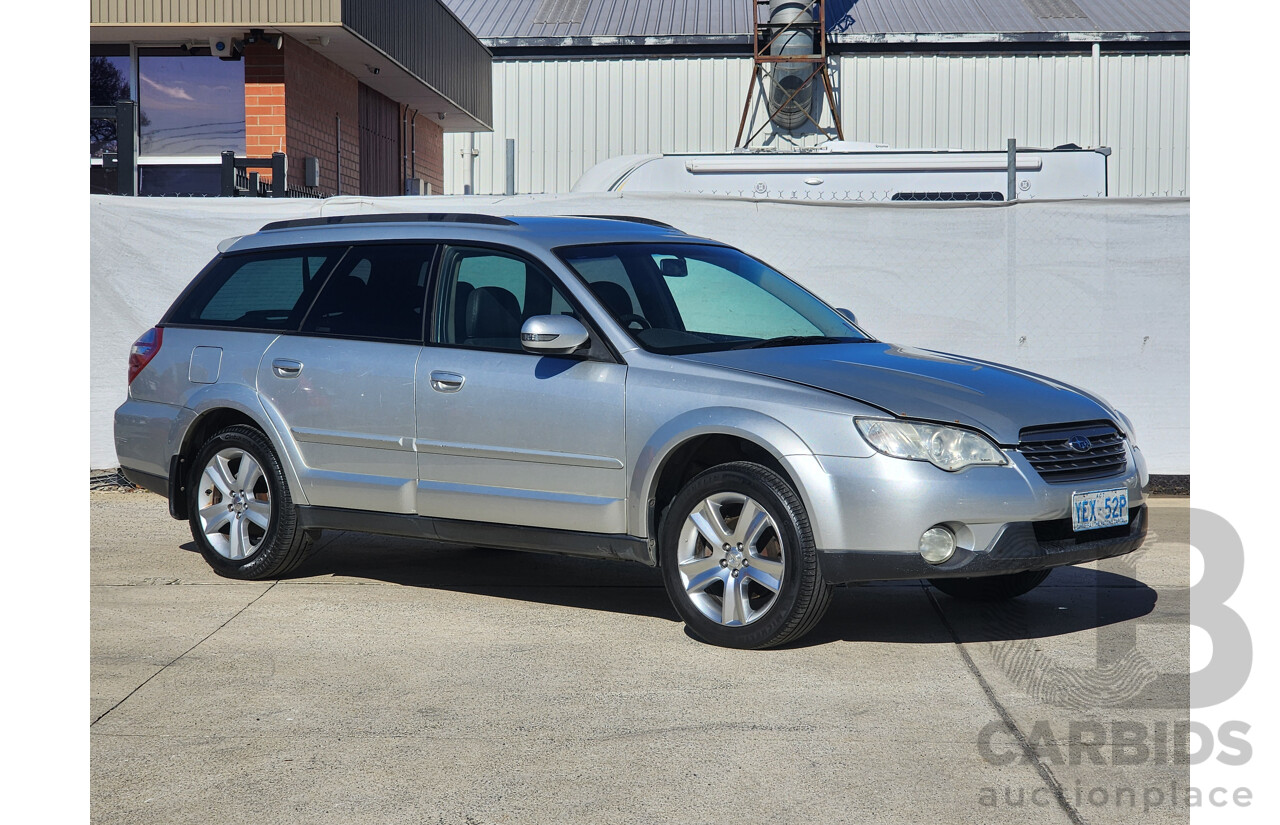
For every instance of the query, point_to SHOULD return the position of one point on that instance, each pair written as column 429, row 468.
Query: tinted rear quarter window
column 262, row 290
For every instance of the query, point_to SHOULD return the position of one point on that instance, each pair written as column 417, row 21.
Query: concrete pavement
column 398, row 681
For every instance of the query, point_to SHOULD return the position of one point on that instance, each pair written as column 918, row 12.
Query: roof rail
column 392, row 217
column 629, row 219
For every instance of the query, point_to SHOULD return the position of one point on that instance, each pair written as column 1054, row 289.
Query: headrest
column 493, row 312
column 613, row 296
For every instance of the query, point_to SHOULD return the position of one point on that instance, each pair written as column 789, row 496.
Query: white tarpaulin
column 1095, row 293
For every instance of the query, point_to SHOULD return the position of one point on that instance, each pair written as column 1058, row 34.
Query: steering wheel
column 631, row 318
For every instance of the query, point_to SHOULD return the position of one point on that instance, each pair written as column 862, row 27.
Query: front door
column 505, row 436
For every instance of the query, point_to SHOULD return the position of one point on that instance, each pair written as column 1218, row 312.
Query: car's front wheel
column 738, row 559
column 242, row 516
column 992, row 588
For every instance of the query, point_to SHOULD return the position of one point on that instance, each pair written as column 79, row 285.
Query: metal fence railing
column 241, row 177
column 124, row 160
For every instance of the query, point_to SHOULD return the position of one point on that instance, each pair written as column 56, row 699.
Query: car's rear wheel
column 739, row 561
column 241, row 514
column 992, row 588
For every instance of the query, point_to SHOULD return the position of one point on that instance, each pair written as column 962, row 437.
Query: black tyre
column 242, row 516
column 738, row 559
column 992, row 588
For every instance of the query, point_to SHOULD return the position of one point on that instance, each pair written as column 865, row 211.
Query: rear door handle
column 286, row 368
column 446, row 381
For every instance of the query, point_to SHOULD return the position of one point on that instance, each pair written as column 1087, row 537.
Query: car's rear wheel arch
column 201, row 430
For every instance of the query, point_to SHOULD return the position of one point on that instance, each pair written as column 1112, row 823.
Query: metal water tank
column 788, row 77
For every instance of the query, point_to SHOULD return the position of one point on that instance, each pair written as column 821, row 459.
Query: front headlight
column 949, row 448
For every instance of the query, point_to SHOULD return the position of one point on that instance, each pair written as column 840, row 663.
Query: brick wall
column 426, row 143
column 422, row 148
column 264, row 102
column 294, row 98
column 319, row 93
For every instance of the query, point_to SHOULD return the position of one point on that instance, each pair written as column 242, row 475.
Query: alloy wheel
column 235, row 503
column 731, row 559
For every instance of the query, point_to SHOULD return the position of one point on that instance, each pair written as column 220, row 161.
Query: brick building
column 357, row 94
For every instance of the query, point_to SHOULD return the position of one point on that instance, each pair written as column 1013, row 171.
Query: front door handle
column 446, row 381
column 286, row 368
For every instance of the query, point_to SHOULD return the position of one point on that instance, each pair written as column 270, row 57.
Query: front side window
column 486, row 295
column 376, row 292
column 260, row 291
column 678, row 297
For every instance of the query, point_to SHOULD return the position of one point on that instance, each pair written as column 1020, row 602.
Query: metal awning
column 424, row 56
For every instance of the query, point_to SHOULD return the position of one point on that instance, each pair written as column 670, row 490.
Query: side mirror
column 848, row 315
column 553, row 335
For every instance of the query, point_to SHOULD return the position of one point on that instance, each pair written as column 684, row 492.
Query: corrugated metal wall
column 449, row 57
column 567, row 115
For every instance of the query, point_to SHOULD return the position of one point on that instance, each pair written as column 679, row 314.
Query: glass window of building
column 190, row 106
column 108, row 82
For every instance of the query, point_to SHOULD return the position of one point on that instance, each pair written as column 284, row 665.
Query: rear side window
column 376, row 292
column 267, row 290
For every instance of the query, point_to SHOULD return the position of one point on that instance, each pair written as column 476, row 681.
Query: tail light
column 144, row 349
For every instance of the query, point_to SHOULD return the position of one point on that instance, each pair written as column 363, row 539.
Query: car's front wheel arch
column 698, row 454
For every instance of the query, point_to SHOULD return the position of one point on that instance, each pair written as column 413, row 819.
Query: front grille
column 1049, row 451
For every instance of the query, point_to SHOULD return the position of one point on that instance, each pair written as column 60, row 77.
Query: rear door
column 343, row 385
column 505, row 436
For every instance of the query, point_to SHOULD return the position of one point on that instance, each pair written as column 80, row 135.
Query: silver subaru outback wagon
column 612, row 388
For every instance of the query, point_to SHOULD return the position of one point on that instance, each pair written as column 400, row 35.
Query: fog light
column 937, row 544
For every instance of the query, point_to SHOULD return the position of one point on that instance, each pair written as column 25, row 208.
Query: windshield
column 680, row 297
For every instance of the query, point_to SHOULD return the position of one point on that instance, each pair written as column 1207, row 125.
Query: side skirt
column 481, row 534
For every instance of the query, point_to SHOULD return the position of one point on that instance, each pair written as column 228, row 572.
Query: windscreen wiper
column 793, row 340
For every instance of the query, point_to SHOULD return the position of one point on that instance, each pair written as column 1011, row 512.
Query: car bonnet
column 917, row 383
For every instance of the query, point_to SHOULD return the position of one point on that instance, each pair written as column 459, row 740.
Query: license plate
column 1102, row 508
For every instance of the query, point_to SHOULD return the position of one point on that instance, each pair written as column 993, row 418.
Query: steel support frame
column 761, row 71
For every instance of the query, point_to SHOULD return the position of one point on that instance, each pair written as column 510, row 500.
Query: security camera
column 226, row 47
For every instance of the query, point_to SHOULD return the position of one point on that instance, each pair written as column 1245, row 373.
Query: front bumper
column 1019, row 546
column 868, row 515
